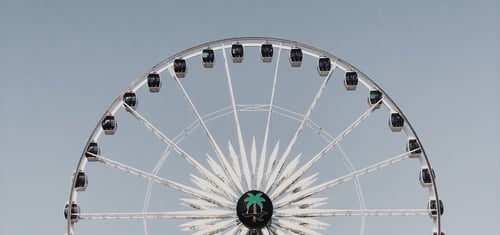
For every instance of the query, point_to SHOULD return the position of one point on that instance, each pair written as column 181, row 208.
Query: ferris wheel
column 261, row 136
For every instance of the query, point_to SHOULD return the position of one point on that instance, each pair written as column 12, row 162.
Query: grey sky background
column 63, row 62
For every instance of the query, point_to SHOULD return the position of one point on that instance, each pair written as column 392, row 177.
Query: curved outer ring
column 369, row 83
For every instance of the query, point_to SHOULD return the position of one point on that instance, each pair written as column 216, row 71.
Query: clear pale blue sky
column 63, row 62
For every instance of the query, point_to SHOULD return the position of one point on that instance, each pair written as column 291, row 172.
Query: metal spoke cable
column 227, row 167
column 210, row 197
column 294, row 212
column 243, row 154
column 217, row 228
column 277, row 170
column 325, row 135
column 201, row 169
column 293, row 227
column 321, row 187
column 300, row 172
column 212, row 214
column 260, row 172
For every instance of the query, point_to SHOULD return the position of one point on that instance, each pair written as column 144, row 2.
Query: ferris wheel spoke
column 195, row 214
column 234, row 158
column 199, row 204
column 288, row 169
column 326, row 136
column 253, row 161
column 243, row 156
column 299, row 185
column 244, row 230
column 277, row 170
column 263, row 154
column 310, row 202
column 289, row 180
column 209, row 187
column 275, row 230
column 311, row 223
column 199, row 167
column 217, row 168
column 237, row 228
column 272, row 159
column 266, row 230
column 293, row 227
column 197, row 224
column 235, row 180
column 353, row 175
column 315, row 213
column 303, row 183
column 210, row 197
column 217, row 228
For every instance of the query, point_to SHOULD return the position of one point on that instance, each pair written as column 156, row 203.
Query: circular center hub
column 254, row 209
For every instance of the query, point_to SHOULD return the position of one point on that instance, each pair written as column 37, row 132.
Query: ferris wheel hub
column 254, row 209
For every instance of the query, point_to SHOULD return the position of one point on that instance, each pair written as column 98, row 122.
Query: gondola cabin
column 92, row 152
column 130, row 100
column 81, row 181
column 75, row 210
column 413, row 147
column 266, row 52
column 374, row 98
column 351, row 80
column 396, row 122
column 435, row 207
column 324, row 66
column 208, row 58
column 426, row 177
column 237, row 53
column 295, row 57
column 109, row 125
column 435, row 232
column 180, row 68
column 154, row 82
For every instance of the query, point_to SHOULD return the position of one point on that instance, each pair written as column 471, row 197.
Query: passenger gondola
column 75, row 210
column 130, row 99
column 266, row 52
column 435, row 207
column 180, row 68
column 81, row 181
column 237, row 52
column 426, row 177
column 154, row 82
column 92, row 152
column 396, row 122
column 351, row 80
column 413, row 147
column 374, row 97
column 296, row 57
column 324, row 66
column 208, row 58
column 435, row 232
column 109, row 125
